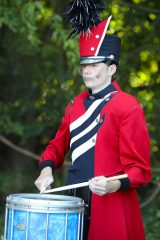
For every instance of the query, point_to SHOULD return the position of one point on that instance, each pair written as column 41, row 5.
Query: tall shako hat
column 94, row 44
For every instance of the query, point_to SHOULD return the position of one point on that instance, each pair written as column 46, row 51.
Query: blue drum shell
column 43, row 217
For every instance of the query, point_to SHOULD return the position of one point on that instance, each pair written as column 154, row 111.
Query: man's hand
column 45, row 179
column 100, row 185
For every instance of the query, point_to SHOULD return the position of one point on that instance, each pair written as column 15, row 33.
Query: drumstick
column 83, row 184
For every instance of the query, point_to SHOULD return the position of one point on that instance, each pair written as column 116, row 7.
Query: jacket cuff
column 46, row 163
column 125, row 183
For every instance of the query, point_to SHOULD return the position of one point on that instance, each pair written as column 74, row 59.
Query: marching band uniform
column 107, row 135
column 118, row 143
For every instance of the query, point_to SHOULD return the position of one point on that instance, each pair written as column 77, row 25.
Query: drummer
column 105, row 129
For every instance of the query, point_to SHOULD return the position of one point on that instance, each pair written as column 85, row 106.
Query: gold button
column 91, row 97
column 97, row 120
column 101, row 120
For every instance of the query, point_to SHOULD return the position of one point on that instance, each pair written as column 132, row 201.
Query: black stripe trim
column 87, row 136
column 83, row 168
column 103, row 92
column 125, row 183
column 46, row 163
column 88, row 121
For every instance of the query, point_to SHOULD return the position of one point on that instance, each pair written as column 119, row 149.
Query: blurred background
column 39, row 75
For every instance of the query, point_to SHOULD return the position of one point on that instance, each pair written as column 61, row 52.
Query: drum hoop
column 31, row 201
column 42, row 210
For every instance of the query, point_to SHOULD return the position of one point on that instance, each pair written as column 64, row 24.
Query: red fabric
column 89, row 44
column 122, row 146
column 58, row 146
column 116, row 216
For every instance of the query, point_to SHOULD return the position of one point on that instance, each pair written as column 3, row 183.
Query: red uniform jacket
column 122, row 146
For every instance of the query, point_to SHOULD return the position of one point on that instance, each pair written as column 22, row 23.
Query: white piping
column 103, row 35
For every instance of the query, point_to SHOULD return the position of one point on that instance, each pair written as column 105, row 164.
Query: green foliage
column 39, row 72
column 151, row 217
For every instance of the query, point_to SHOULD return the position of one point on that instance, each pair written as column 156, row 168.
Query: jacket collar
column 110, row 88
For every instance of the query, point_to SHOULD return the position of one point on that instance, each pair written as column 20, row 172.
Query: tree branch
column 37, row 157
column 156, row 170
column 18, row 149
column 151, row 197
column 22, row 150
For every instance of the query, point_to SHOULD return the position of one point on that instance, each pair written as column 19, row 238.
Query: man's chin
column 88, row 85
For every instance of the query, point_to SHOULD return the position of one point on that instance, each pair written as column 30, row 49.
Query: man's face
column 96, row 76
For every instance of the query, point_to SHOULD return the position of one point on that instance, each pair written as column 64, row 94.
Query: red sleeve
column 135, row 146
column 56, row 150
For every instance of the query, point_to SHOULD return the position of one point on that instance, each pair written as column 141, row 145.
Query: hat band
column 95, row 59
column 90, row 60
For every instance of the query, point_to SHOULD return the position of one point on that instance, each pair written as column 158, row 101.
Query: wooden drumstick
column 83, row 184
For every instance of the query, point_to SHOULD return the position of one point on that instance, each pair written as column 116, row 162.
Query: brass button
column 91, row 97
column 101, row 120
column 97, row 121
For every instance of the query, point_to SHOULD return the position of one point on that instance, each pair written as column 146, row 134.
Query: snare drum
column 43, row 217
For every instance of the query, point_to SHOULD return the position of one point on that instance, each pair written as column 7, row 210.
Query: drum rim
column 44, row 201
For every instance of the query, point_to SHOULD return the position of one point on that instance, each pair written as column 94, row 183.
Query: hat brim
column 92, row 60
column 96, row 59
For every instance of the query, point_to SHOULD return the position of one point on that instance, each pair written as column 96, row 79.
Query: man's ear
column 112, row 69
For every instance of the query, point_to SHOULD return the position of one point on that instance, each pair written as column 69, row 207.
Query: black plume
column 84, row 14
